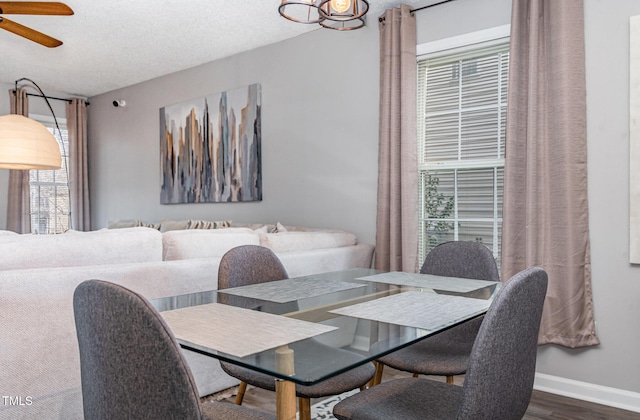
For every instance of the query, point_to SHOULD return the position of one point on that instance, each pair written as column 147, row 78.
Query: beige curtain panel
column 546, row 215
column 397, row 217
column 18, row 207
column 78, row 169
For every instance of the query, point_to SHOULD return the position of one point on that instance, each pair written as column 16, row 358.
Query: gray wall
column 319, row 136
column 320, row 151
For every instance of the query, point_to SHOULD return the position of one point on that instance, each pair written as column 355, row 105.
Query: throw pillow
column 278, row 228
column 167, row 225
column 120, row 224
column 205, row 224
column 155, row 226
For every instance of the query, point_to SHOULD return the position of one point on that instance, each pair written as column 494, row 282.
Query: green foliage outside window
column 436, row 206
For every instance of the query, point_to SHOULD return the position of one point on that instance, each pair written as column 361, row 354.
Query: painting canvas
column 210, row 148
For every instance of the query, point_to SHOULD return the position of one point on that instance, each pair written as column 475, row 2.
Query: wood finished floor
column 543, row 405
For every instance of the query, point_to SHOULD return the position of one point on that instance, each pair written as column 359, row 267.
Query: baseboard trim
column 598, row 394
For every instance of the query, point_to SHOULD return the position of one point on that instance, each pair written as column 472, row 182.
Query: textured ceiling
column 109, row 44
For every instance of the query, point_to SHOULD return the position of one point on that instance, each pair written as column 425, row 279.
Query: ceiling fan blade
column 29, row 33
column 34, row 8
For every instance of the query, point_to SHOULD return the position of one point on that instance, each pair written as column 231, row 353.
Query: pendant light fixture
column 300, row 11
column 345, row 25
column 343, row 10
column 341, row 15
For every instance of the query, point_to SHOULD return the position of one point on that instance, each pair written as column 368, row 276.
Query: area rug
column 323, row 409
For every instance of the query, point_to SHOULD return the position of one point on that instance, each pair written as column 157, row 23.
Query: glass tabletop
column 328, row 323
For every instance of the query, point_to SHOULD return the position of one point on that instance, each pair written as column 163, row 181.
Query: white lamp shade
column 27, row 144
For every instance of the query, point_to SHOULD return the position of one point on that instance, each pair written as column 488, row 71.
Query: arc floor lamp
column 26, row 143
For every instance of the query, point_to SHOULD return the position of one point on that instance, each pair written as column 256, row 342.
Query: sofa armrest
column 38, row 343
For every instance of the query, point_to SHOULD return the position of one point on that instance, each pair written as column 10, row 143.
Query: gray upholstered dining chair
column 131, row 365
column 499, row 380
column 447, row 353
column 252, row 264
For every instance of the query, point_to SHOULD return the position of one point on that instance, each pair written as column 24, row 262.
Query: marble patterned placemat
column 289, row 290
column 429, row 281
column 427, row 311
column 237, row 331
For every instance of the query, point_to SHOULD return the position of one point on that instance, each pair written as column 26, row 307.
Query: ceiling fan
column 32, row 8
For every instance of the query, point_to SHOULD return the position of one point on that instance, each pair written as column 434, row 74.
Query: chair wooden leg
column 378, row 376
column 415, row 375
column 372, row 381
column 450, row 379
column 304, row 408
column 241, row 390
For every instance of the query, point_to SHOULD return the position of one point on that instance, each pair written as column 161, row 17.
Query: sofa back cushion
column 294, row 239
column 74, row 248
column 207, row 243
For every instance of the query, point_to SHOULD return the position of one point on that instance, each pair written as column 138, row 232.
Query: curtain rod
column 51, row 97
column 381, row 19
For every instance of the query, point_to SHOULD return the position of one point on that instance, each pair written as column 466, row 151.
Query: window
column 49, row 189
column 462, row 101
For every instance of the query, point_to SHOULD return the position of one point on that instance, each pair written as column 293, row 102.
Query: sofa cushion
column 204, row 243
column 303, row 239
column 74, row 248
column 303, row 263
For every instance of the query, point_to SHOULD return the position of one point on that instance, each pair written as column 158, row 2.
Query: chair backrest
column 501, row 371
column 249, row 264
column 469, row 260
column 130, row 363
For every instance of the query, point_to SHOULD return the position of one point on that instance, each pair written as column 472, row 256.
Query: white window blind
column 49, row 190
column 462, row 99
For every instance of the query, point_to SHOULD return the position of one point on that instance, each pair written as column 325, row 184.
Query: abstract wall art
column 210, row 148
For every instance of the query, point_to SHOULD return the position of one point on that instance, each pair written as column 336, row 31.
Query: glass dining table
column 304, row 330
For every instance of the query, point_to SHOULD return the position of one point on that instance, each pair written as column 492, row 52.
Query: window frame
column 50, row 123
column 445, row 47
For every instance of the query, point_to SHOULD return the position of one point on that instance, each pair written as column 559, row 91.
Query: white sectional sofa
column 39, row 360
